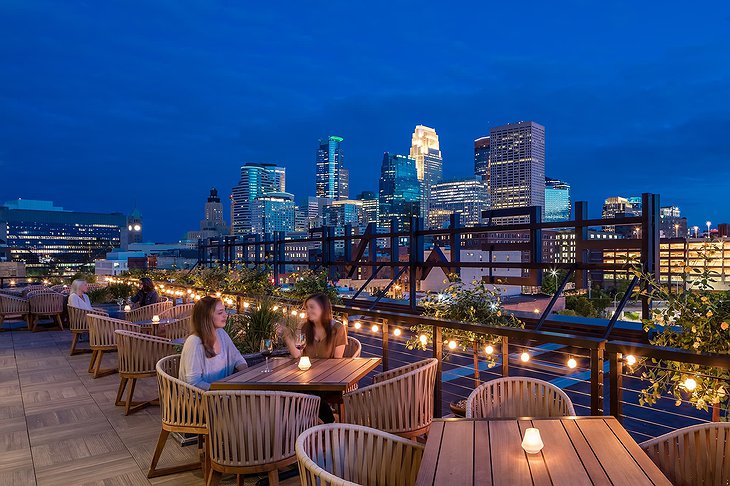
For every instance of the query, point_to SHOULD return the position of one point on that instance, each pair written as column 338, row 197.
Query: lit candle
column 532, row 442
column 155, row 318
column 304, row 363
column 127, row 308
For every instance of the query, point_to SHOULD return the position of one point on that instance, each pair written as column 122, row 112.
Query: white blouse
column 74, row 300
column 200, row 371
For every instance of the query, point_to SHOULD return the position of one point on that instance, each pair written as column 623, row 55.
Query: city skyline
column 196, row 103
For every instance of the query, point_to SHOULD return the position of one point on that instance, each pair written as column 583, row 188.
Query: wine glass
column 266, row 348
column 300, row 339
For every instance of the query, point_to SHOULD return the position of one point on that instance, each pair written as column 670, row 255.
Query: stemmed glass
column 266, row 348
column 300, row 340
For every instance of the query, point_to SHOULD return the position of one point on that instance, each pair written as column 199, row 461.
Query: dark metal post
column 581, row 235
column 415, row 258
column 438, row 354
column 505, row 357
column 615, row 379
column 455, row 243
column 597, row 380
column 536, row 240
column 649, row 244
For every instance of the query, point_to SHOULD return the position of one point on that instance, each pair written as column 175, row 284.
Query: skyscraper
column 273, row 211
column 517, row 165
column 481, row 158
column 557, row 200
column 429, row 164
column 617, row 206
column 256, row 180
column 330, row 175
column 212, row 225
column 134, row 226
column 466, row 197
column 370, row 205
column 671, row 223
column 400, row 190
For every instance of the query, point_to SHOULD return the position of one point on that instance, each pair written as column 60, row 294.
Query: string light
column 275, row 308
column 218, row 294
column 452, row 344
column 572, row 363
column 630, row 359
column 294, row 312
column 525, row 357
column 375, row 328
column 396, row 331
column 302, row 315
column 690, row 384
column 357, row 325
column 423, row 339
column 489, row 349
column 245, row 305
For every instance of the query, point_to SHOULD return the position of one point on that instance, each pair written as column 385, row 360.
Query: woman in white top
column 77, row 297
column 209, row 353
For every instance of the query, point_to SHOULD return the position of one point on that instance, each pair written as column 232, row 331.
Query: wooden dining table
column 325, row 375
column 577, row 451
column 151, row 326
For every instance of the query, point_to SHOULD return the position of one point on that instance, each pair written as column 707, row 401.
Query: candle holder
column 532, row 442
column 127, row 308
column 304, row 363
column 155, row 318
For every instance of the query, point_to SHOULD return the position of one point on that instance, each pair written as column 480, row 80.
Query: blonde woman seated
column 209, row 353
column 77, row 296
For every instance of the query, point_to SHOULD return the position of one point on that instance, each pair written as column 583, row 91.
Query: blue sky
column 104, row 105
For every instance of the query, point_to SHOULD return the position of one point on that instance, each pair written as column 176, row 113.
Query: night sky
column 104, row 105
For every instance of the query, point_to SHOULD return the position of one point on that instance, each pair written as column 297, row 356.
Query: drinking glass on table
column 300, row 339
column 266, row 348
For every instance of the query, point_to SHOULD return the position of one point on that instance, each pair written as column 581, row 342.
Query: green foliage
column 476, row 303
column 551, row 282
column 89, row 277
column 217, row 279
column 110, row 293
column 259, row 322
column 310, row 282
column 632, row 316
column 567, row 312
column 695, row 319
column 580, row 305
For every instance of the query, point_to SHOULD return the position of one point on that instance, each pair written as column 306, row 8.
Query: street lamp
column 676, row 230
column 554, row 273
column 708, row 229
column 697, row 230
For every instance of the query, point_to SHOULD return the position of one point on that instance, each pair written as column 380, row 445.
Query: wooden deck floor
column 59, row 426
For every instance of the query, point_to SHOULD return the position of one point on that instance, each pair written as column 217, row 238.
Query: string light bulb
column 246, row 305
column 357, row 325
column 630, row 359
column 572, row 363
column 452, row 344
column 294, row 312
column 396, row 331
column 690, row 384
column 375, row 328
column 423, row 339
column 275, row 308
column 489, row 349
column 525, row 357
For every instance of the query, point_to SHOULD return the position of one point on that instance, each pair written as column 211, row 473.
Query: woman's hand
column 282, row 331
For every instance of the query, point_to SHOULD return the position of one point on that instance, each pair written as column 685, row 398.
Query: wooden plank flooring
column 60, row 426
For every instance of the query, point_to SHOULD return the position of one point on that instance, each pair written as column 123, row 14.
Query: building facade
column 274, row 211
column 425, row 150
column 134, row 227
column 557, row 200
column 400, row 191
column 466, row 197
column 256, row 180
column 332, row 179
column 481, row 158
column 48, row 237
column 212, row 225
column 671, row 223
column 619, row 207
column 344, row 211
column 517, row 165
column 370, row 206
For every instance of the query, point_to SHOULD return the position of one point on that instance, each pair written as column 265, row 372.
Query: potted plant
column 694, row 318
column 478, row 303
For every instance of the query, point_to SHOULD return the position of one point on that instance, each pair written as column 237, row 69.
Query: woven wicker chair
column 254, row 431
column 79, row 326
column 345, row 454
column 45, row 303
column 146, row 312
column 518, row 397
column 353, row 349
column 32, row 288
column 182, row 407
column 693, row 456
column 399, row 401
column 102, row 339
column 177, row 311
column 138, row 357
column 16, row 307
column 178, row 329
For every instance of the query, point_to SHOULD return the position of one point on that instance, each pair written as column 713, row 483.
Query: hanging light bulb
column 246, row 305
column 423, row 339
column 572, row 363
column 452, row 344
column 275, row 308
column 294, row 312
column 690, row 384
column 375, row 328
column 525, row 357
column 357, row 325
column 630, row 359
column 489, row 349
column 396, row 332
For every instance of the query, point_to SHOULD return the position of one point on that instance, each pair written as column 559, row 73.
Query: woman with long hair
column 324, row 338
column 147, row 294
column 209, row 353
column 77, row 296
